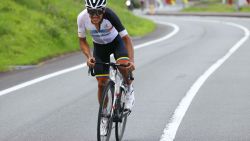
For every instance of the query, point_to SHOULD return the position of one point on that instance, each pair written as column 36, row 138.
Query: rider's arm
column 129, row 46
column 85, row 47
column 86, row 51
column 82, row 34
column 114, row 19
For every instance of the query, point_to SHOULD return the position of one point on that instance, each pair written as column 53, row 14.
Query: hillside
column 35, row 30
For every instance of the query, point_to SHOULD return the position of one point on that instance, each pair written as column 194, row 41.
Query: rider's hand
column 130, row 66
column 91, row 62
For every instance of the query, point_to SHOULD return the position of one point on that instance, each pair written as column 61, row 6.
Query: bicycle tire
column 120, row 126
column 107, row 102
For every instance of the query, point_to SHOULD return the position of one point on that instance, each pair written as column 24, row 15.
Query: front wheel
column 105, row 115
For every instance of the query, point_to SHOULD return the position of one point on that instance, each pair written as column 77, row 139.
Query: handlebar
column 91, row 71
column 114, row 66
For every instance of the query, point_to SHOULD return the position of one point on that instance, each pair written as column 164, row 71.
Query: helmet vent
column 95, row 3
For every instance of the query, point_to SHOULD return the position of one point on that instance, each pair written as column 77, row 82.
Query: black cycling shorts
column 102, row 53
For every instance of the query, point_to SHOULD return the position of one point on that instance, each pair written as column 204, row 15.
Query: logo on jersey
column 108, row 27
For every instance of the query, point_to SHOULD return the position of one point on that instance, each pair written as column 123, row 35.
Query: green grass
column 214, row 6
column 32, row 31
column 245, row 9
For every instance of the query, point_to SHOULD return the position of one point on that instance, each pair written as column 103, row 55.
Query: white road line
column 172, row 127
column 176, row 30
column 40, row 79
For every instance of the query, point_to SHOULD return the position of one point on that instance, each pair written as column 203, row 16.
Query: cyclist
column 109, row 37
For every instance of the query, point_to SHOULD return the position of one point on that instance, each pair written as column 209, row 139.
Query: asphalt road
column 64, row 108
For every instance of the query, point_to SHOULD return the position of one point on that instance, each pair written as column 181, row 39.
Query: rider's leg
column 124, row 71
column 130, row 98
column 101, row 53
column 101, row 84
column 121, row 56
column 104, row 120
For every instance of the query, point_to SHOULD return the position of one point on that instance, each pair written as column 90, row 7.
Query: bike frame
column 117, row 78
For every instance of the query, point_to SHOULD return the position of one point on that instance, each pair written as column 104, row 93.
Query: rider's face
column 96, row 19
column 96, row 15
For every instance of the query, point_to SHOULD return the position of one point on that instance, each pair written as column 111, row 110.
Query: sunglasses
column 97, row 12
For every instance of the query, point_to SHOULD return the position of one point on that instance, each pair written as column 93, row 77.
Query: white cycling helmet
column 94, row 4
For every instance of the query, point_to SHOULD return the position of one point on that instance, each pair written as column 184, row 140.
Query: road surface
column 63, row 107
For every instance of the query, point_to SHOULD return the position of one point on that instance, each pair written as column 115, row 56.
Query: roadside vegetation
column 214, row 6
column 32, row 31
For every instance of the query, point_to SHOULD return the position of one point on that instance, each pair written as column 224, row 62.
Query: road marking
column 40, row 79
column 172, row 127
column 176, row 30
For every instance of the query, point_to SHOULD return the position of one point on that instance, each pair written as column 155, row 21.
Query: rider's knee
column 101, row 82
column 122, row 69
column 122, row 61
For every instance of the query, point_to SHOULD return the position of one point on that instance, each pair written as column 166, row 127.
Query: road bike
column 111, row 108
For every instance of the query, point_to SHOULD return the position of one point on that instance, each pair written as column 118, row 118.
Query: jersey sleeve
column 81, row 27
column 116, row 22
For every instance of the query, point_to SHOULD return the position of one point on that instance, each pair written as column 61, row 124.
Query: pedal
column 126, row 112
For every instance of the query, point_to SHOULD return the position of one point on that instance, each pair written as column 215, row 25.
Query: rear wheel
column 105, row 115
column 121, row 125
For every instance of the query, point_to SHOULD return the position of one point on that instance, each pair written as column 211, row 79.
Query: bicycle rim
column 106, row 103
column 120, row 128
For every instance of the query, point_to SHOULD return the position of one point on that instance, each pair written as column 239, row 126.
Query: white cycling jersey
column 109, row 28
